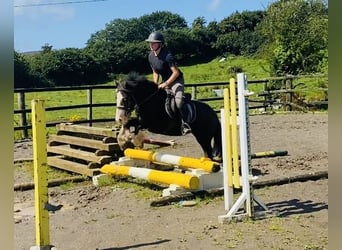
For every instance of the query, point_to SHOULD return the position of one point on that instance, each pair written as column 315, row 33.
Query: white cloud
column 214, row 5
column 55, row 12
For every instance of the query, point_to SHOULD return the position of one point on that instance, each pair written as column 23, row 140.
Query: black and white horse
column 138, row 94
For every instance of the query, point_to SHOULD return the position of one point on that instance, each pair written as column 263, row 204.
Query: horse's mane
column 135, row 77
column 133, row 80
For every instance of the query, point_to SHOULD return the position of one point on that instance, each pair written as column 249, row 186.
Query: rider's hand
column 162, row 85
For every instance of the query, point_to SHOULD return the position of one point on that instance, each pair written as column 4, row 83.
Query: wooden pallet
column 82, row 149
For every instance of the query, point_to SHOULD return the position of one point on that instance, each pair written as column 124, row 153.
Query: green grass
column 216, row 71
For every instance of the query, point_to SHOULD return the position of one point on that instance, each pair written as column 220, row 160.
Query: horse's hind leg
column 212, row 152
column 212, row 147
column 207, row 154
column 217, row 147
column 206, row 147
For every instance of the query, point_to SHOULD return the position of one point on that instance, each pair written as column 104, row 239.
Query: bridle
column 129, row 103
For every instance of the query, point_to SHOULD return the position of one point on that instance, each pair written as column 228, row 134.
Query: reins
column 148, row 98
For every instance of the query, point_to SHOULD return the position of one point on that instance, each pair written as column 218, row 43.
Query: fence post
column 90, row 108
column 21, row 106
column 266, row 97
column 288, row 86
column 194, row 92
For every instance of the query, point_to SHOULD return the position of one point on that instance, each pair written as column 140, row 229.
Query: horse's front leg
column 130, row 136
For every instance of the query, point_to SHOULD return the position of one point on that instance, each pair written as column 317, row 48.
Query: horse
column 156, row 112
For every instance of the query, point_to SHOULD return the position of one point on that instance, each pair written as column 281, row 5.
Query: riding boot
column 184, row 114
column 186, row 129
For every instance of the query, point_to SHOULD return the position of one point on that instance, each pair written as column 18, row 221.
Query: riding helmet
column 155, row 37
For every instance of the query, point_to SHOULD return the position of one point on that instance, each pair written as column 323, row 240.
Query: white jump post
column 244, row 205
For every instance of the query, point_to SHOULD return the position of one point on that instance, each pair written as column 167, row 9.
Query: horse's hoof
column 127, row 145
column 217, row 159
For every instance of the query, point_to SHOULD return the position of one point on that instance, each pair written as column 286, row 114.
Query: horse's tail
column 217, row 144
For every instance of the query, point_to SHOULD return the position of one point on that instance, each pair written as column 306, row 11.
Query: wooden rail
column 82, row 149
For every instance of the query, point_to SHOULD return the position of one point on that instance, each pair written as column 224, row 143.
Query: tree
column 179, row 41
column 198, row 23
column 68, row 66
column 73, row 67
column 161, row 21
column 246, row 20
column 297, row 36
column 121, row 46
column 22, row 75
column 203, row 38
column 238, row 33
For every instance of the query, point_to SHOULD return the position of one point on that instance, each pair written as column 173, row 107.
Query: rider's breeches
column 178, row 90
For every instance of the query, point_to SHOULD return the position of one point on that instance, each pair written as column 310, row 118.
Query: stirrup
column 185, row 128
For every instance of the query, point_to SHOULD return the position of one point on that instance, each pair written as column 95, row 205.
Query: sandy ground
column 116, row 218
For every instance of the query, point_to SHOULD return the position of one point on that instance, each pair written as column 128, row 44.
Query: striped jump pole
column 180, row 161
column 183, row 180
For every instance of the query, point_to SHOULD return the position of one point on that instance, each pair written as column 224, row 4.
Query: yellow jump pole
column 228, row 132
column 180, row 161
column 40, row 176
column 235, row 152
column 183, row 180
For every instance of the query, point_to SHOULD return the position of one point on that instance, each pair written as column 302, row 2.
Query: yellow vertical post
column 40, row 173
column 228, row 138
column 235, row 153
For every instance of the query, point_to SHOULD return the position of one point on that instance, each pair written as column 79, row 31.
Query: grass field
column 221, row 71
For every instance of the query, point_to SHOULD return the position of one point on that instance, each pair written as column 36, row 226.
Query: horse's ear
column 120, row 85
column 141, row 78
column 132, row 76
column 118, row 80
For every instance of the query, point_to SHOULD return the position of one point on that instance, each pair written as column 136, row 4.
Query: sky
column 70, row 25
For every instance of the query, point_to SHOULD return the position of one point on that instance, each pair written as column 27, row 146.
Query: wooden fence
column 266, row 97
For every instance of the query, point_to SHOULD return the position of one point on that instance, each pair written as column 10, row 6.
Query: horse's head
column 130, row 94
column 125, row 102
column 124, row 105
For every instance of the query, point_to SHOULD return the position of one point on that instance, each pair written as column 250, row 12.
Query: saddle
column 188, row 110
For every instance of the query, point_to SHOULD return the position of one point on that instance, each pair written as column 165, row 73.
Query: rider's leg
column 178, row 90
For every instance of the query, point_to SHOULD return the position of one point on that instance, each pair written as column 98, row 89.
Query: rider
column 164, row 64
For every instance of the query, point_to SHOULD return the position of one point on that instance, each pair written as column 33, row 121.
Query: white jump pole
column 180, row 161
